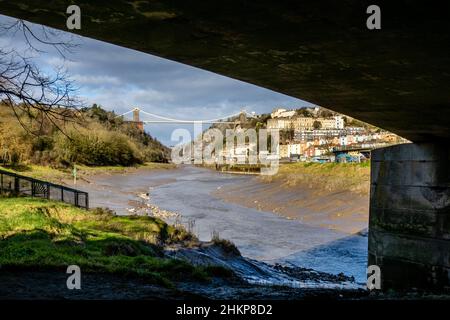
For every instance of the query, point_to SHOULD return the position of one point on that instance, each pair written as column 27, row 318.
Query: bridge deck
column 396, row 78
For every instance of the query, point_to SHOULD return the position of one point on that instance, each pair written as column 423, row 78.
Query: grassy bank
column 327, row 177
column 41, row 235
column 59, row 175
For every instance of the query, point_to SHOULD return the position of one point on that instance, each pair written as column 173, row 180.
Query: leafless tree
column 25, row 88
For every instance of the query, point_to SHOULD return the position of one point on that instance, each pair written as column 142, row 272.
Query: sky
column 120, row 79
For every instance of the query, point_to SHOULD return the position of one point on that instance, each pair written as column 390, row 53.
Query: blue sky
column 119, row 79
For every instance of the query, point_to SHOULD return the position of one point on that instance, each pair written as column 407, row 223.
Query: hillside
column 95, row 137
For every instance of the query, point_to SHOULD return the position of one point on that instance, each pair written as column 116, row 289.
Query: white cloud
column 95, row 80
column 120, row 79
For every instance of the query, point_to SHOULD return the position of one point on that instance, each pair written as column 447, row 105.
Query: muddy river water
column 192, row 193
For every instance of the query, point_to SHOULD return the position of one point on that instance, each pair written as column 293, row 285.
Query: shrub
column 226, row 245
column 97, row 147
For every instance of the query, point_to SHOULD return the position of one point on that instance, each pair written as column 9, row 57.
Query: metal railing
column 21, row 185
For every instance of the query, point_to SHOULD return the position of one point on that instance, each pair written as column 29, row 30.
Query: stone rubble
column 144, row 207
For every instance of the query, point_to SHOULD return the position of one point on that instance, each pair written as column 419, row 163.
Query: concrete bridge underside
column 397, row 78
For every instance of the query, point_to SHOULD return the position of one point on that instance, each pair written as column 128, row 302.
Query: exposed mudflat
column 343, row 211
column 207, row 201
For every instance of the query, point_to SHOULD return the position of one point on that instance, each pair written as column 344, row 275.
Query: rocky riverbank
column 223, row 253
column 137, row 257
column 231, row 275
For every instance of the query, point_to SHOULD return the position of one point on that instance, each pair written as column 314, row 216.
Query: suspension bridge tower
column 136, row 120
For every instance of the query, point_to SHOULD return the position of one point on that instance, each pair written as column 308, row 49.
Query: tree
column 325, row 113
column 317, row 124
column 25, row 88
column 304, row 112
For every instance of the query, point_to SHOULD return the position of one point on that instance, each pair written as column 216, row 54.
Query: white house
column 294, row 148
column 282, row 113
column 339, row 122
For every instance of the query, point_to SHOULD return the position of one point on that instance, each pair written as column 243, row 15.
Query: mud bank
column 119, row 191
column 344, row 211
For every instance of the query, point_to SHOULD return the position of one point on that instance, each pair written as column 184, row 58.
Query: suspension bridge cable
column 189, row 121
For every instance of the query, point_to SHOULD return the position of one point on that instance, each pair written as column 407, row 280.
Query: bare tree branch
column 26, row 89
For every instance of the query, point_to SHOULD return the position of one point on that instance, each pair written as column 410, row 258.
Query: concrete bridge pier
column 409, row 224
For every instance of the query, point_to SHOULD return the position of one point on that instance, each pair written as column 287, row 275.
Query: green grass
column 40, row 235
column 326, row 177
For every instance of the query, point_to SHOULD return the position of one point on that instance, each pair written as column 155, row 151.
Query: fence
column 21, row 185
